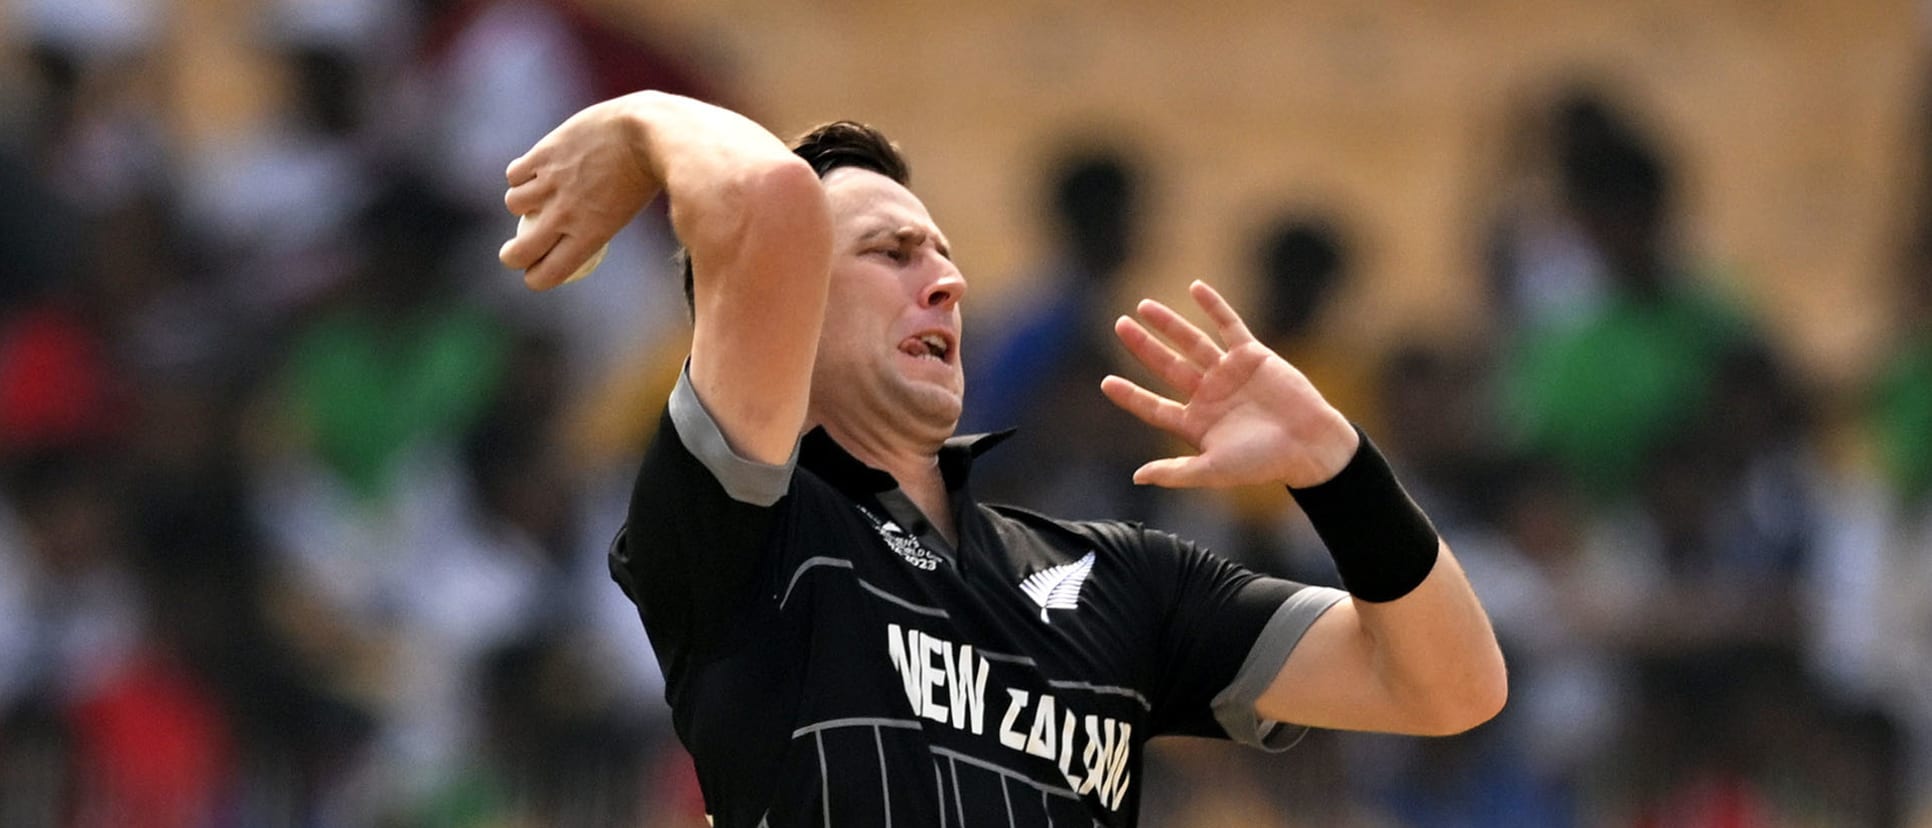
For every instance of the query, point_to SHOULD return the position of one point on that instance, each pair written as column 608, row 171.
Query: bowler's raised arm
column 752, row 216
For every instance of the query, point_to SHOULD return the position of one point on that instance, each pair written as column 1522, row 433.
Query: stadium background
column 305, row 499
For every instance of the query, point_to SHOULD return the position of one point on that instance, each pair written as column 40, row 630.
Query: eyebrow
column 899, row 230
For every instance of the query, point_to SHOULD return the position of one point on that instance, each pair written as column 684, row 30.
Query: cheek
column 862, row 302
column 845, row 339
column 832, row 343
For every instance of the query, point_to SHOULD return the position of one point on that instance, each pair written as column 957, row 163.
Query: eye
column 895, row 253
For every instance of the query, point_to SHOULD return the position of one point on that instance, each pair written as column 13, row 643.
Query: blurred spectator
column 1902, row 401
column 66, row 321
column 1303, row 262
column 94, row 135
column 104, row 701
column 425, row 594
column 399, row 360
column 96, row 29
column 78, row 616
column 1074, row 453
column 1094, row 213
column 1601, row 390
column 57, row 387
column 1201, row 783
column 1542, row 268
column 39, row 227
column 363, row 506
column 498, row 74
column 1883, row 656
column 1565, row 603
column 1436, row 401
column 1721, row 534
column 278, row 196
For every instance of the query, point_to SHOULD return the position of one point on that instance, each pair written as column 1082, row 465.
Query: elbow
column 778, row 189
column 795, row 210
column 787, row 180
column 780, row 180
column 776, row 199
column 1476, row 700
column 1481, row 706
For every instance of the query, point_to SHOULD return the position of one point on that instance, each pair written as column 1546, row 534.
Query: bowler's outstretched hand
column 1252, row 417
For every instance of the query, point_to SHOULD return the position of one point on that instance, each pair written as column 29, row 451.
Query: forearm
column 1412, row 650
column 725, row 176
column 1434, row 653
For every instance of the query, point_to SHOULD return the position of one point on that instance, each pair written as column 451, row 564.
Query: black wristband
column 1382, row 543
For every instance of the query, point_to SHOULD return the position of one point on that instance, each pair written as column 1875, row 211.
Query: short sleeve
column 700, row 519
column 1228, row 631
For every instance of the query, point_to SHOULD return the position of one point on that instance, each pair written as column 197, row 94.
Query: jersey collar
column 824, row 456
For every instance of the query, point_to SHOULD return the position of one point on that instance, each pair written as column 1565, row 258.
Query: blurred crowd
column 1706, row 572
column 304, row 503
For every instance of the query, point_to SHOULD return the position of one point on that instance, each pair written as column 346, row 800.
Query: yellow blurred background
column 1796, row 121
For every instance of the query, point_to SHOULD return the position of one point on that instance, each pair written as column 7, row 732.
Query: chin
column 937, row 407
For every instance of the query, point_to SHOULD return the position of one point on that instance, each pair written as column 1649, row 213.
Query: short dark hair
column 828, row 147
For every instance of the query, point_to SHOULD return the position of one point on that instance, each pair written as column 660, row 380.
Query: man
column 847, row 637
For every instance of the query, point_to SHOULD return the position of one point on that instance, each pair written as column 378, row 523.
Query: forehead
column 863, row 201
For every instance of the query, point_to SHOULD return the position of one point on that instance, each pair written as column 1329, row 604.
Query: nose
column 945, row 291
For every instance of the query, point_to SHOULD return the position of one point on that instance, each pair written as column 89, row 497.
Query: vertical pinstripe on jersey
column 939, row 785
column 885, row 790
column 824, row 779
column 957, row 805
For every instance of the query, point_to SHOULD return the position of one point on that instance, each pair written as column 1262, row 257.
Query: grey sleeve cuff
column 1234, row 706
column 746, row 481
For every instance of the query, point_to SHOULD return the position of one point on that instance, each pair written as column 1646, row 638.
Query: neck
column 913, row 464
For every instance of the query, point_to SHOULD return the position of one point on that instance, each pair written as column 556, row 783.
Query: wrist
column 632, row 120
column 1382, row 543
column 1329, row 453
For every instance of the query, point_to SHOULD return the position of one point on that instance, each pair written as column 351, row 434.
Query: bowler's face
column 888, row 355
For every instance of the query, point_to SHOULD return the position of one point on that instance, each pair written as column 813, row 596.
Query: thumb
column 1173, row 472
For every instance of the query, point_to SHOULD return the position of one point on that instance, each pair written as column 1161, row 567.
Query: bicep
column 1329, row 680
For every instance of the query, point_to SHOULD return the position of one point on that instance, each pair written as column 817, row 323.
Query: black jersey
column 831, row 660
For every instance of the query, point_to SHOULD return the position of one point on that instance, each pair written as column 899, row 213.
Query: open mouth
column 931, row 345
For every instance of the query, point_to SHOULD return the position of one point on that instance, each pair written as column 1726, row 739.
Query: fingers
column 569, row 253
column 1164, row 414
column 1152, row 409
column 1234, row 332
column 534, row 239
column 522, row 169
column 1171, row 367
column 528, row 197
column 1189, row 339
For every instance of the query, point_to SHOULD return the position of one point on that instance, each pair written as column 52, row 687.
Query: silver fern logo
column 1058, row 587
